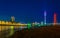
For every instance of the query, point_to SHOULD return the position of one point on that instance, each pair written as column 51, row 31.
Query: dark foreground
column 43, row 32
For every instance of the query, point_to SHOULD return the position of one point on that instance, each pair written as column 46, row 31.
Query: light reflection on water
column 6, row 31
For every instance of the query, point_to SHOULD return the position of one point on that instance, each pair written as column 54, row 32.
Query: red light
column 55, row 19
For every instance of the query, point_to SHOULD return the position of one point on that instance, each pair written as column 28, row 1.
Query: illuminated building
column 5, row 25
column 12, row 18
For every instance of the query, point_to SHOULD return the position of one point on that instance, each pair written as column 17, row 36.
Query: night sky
column 29, row 10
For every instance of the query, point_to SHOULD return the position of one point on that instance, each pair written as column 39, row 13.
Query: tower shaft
column 45, row 17
column 55, row 21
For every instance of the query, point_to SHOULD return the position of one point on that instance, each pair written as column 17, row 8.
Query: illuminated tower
column 55, row 19
column 45, row 17
column 12, row 18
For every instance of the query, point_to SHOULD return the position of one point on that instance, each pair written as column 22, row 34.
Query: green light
column 12, row 30
column 42, row 24
column 39, row 25
column 28, row 25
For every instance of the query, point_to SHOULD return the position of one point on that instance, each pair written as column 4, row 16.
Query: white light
column 44, row 17
column 44, row 13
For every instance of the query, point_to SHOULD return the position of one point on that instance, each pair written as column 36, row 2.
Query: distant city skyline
column 29, row 10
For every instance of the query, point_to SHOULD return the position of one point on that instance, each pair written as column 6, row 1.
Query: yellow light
column 2, row 22
column 13, row 23
column 7, row 23
column 18, row 23
column 12, row 30
column 12, row 18
column 10, row 23
column 3, row 27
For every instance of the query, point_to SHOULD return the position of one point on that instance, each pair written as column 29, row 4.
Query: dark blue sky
column 29, row 10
